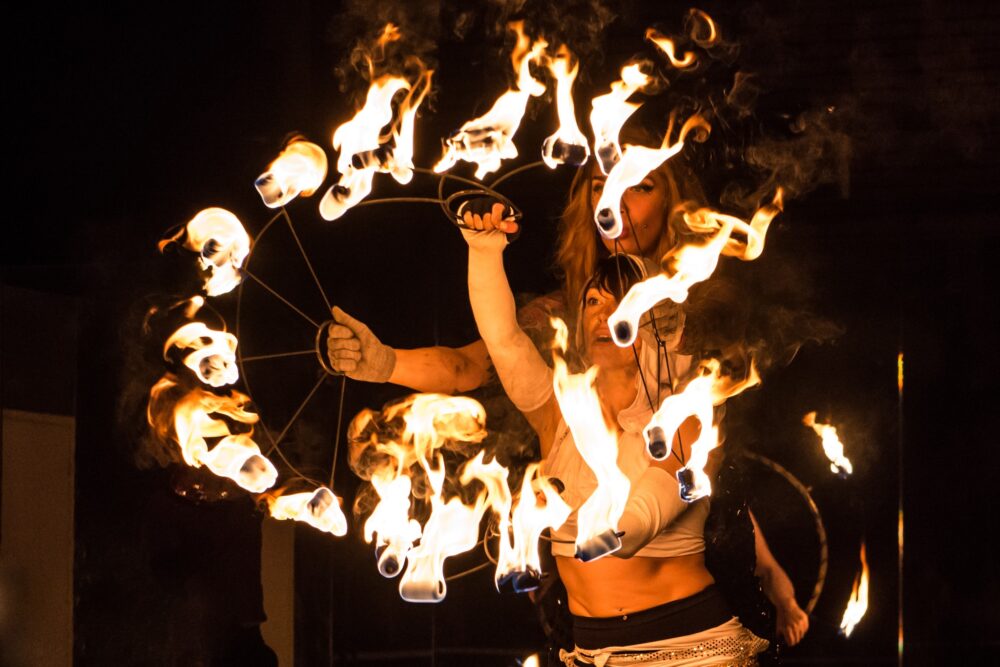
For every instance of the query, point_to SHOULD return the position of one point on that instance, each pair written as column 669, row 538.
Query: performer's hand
column 792, row 622
column 486, row 214
column 355, row 351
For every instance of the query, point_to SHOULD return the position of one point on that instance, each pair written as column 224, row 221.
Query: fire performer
column 654, row 601
column 646, row 208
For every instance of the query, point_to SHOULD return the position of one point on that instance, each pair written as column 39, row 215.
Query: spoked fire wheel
column 282, row 326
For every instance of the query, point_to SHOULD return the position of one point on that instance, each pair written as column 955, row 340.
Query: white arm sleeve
column 653, row 503
column 524, row 374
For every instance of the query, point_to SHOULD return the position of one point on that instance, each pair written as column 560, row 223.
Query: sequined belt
column 727, row 644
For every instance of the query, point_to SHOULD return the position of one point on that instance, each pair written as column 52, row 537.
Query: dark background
column 128, row 120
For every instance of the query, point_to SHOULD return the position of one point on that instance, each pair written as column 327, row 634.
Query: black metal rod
column 280, row 298
column 305, row 257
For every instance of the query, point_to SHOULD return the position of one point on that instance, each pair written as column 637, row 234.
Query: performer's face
column 598, row 306
column 644, row 215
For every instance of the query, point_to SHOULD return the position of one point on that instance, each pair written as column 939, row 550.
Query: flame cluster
column 412, row 457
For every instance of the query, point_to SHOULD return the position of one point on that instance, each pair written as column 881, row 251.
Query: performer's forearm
column 521, row 369
column 440, row 369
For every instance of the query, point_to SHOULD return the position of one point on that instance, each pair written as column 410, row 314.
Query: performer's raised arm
column 525, row 376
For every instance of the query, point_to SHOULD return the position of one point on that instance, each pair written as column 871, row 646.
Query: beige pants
column 727, row 644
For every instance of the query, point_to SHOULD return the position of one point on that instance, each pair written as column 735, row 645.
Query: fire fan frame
column 449, row 206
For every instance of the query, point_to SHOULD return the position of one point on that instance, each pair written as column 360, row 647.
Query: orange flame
column 832, row 447
column 697, row 400
column 610, row 111
column 489, row 139
column 635, row 163
column 595, row 440
column 213, row 355
column 390, row 521
column 667, row 46
column 198, row 415
column 320, row 509
column 452, row 528
column 568, row 144
column 703, row 35
column 432, row 419
column 858, row 604
column 360, row 135
column 692, row 263
column 529, row 518
column 221, row 243
column 299, row 170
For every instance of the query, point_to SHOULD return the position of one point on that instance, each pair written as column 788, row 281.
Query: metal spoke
column 399, row 200
column 305, row 257
column 513, row 172
column 281, row 298
column 279, row 355
column 340, row 418
column 302, row 406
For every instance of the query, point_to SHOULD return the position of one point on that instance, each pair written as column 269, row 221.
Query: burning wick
column 213, row 355
column 320, row 509
column 299, row 169
column 489, row 139
column 832, row 446
column 568, row 145
column 221, row 243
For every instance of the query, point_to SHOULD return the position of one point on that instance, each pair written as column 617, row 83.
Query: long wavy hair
column 579, row 246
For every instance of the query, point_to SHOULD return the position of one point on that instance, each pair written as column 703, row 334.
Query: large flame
column 198, row 415
column 707, row 390
column 299, row 170
column 433, row 419
column 221, row 243
column 693, row 263
column 832, row 447
column 635, row 163
column 452, row 528
column 610, row 111
column 212, row 356
column 597, row 443
column 529, row 518
column 390, row 521
column 858, row 604
column 568, row 144
column 430, row 422
column 360, row 136
column 489, row 139
column 320, row 509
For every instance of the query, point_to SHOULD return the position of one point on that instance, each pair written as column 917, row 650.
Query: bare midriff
column 617, row 586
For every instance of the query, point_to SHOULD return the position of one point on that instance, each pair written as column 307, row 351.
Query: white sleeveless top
column 683, row 536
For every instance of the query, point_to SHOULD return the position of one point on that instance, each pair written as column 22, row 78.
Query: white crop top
column 683, row 536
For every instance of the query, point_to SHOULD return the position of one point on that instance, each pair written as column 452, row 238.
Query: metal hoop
column 820, row 529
